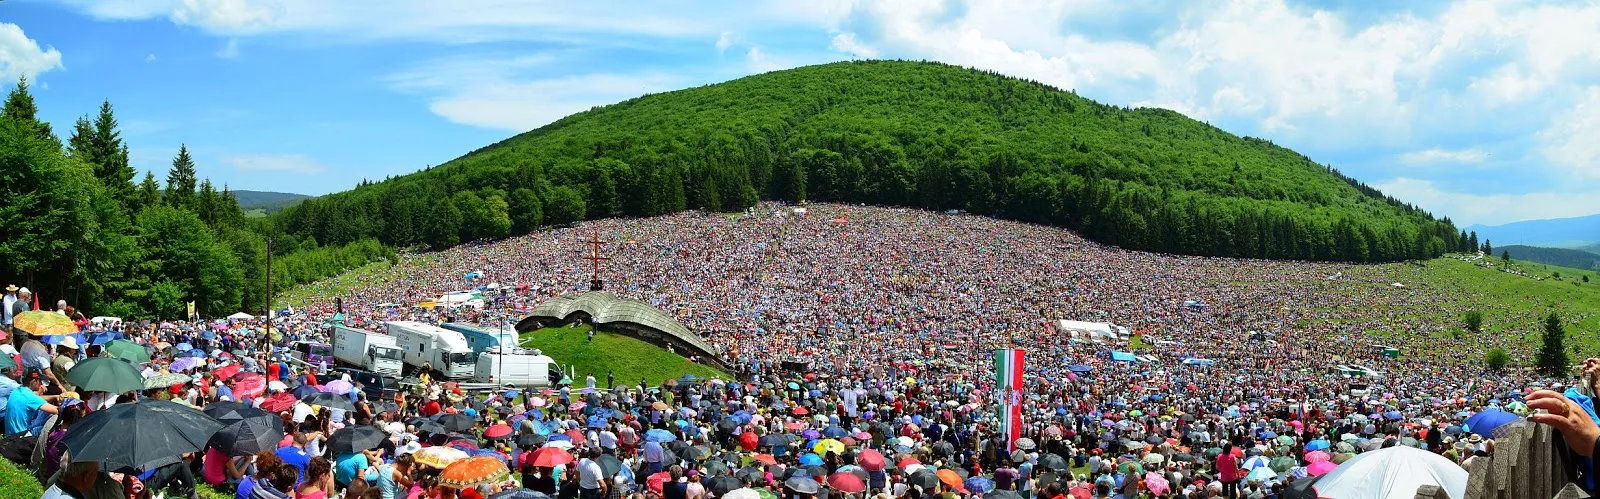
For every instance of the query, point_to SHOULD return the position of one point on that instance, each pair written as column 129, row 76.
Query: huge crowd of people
column 860, row 342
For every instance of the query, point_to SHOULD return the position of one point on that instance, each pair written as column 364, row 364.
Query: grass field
column 374, row 273
column 628, row 358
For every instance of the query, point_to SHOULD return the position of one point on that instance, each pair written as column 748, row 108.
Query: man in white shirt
column 11, row 297
column 591, row 478
column 607, row 441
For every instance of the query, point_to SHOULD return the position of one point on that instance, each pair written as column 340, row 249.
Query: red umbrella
column 656, row 481
column 497, row 431
column 278, row 402
column 907, row 462
column 550, row 457
column 800, row 411
column 227, row 371
column 847, row 483
column 870, row 460
column 748, row 441
column 250, row 387
column 577, row 437
column 766, row 459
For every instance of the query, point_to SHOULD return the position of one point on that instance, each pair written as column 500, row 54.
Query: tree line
column 897, row 133
column 77, row 227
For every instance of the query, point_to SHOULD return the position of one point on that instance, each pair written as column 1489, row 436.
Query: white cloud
column 22, row 56
column 725, row 40
column 229, row 50
column 847, row 43
column 496, row 93
column 228, row 16
column 1491, row 209
column 150, row 58
column 1438, row 155
column 281, row 163
column 1572, row 141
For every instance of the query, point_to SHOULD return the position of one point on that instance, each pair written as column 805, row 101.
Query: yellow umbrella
column 825, row 445
column 41, row 323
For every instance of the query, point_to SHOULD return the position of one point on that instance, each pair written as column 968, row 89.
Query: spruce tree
column 19, row 106
column 1552, row 349
column 148, row 193
column 181, row 180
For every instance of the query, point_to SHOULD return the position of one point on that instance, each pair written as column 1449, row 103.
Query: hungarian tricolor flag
column 1008, row 389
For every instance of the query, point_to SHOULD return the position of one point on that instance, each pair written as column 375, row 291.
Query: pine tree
column 1552, row 350
column 100, row 144
column 148, row 193
column 181, row 180
column 19, row 106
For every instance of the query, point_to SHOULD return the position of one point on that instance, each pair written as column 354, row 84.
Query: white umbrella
column 1393, row 473
column 241, row 315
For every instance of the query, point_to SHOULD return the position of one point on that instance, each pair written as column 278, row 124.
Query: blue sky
column 1487, row 111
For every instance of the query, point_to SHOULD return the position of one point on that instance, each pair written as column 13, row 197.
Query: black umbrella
column 1154, row 440
column 139, row 436
column 1018, row 456
column 721, row 485
column 382, row 406
column 330, row 400
column 527, row 440
column 234, row 411
column 1054, row 462
column 248, row 436
column 456, row 422
column 1184, row 457
column 924, row 478
column 105, row 374
column 1002, row 494
column 432, row 428
column 677, row 446
column 609, row 465
column 304, row 391
column 790, row 473
column 751, row 474
column 804, row 485
column 1046, row 478
column 697, row 453
column 817, row 471
column 356, row 438
column 727, row 425
column 943, row 448
column 777, row 440
column 716, row 468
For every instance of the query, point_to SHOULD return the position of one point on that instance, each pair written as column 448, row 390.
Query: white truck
column 433, row 347
column 516, row 367
column 368, row 350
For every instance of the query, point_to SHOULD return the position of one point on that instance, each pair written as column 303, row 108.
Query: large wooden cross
column 594, row 257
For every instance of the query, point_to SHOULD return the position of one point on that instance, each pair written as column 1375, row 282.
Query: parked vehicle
column 368, row 350
column 518, row 367
column 426, row 346
column 376, row 386
column 312, row 354
column 480, row 339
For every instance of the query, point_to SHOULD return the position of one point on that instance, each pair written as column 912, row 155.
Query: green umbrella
column 6, row 362
column 1131, row 468
column 105, row 374
column 130, row 351
column 1281, row 464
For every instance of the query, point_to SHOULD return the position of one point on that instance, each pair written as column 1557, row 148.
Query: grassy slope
column 629, row 358
column 369, row 274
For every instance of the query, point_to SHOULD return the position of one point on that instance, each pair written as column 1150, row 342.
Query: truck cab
column 312, row 354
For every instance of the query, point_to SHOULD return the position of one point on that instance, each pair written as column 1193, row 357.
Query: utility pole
column 268, row 331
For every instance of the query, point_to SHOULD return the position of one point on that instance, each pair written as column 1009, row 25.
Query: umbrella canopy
column 1393, row 472
column 248, row 436
column 249, row 386
column 127, row 350
column 871, row 460
column 330, row 400
column 847, row 483
column 439, row 457
column 550, row 457
column 1484, row 423
column 520, row 494
column 139, row 436
column 722, row 485
column 924, row 478
column 1318, row 444
column 164, row 380
column 474, row 471
column 802, row 484
column 105, row 374
column 1026, row 443
column 278, row 402
column 304, row 391
column 1054, row 462
column 497, row 431
column 42, row 323
column 609, row 465
column 659, row 436
column 951, row 479
column 356, row 438
column 1322, row 468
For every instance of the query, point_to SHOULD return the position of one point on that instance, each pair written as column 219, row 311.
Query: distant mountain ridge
column 267, row 201
column 1574, row 232
column 1562, row 257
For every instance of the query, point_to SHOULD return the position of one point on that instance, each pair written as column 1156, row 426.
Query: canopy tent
column 1123, row 357
column 1395, row 473
column 1194, row 304
column 1092, row 329
column 241, row 316
column 1198, row 362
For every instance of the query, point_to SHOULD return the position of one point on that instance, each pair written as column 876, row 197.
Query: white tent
column 1393, row 473
column 1091, row 329
column 241, row 316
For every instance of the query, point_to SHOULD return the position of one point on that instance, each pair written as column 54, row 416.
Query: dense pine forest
column 917, row 134
column 75, row 226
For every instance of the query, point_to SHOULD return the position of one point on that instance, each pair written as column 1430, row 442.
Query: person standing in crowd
column 66, row 358
column 23, row 303
column 10, row 298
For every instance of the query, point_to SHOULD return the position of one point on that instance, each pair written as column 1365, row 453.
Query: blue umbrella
column 793, row 386
column 1318, row 444
column 1464, row 414
column 1484, row 423
column 810, row 459
column 1080, row 368
column 1394, row 415
column 743, row 417
column 304, row 391
column 979, row 485
column 559, row 437
column 834, row 432
column 659, row 436
column 184, row 347
column 194, row 353
column 597, row 421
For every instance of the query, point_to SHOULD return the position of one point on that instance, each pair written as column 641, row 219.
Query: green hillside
column 895, row 133
column 1577, row 259
column 628, row 358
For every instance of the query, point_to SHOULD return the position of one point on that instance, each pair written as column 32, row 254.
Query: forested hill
column 896, row 133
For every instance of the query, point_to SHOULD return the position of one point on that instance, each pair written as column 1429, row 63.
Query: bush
column 1473, row 321
column 17, row 482
column 1496, row 359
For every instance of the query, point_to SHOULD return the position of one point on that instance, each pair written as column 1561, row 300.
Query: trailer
column 427, row 346
column 480, row 339
column 367, row 350
column 516, row 367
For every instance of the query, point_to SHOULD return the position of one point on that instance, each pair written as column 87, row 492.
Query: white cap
column 69, row 342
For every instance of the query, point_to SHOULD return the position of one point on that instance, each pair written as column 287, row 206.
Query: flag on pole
column 191, row 310
column 1008, row 391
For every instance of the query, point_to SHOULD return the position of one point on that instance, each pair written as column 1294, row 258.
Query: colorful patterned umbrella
column 164, row 380
column 250, row 387
column 42, row 323
column 439, row 457
column 474, row 471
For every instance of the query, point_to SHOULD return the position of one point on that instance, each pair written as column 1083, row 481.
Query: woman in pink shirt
column 1228, row 472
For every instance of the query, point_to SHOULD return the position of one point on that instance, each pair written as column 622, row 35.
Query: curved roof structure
column 606, row 308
